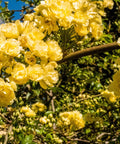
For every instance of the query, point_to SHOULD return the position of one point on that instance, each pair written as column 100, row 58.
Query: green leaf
column 27, row 140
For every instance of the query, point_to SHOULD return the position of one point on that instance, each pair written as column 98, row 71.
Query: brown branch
column 80, row 140
column 90, row 51
column 89, row 97
column 5, row 118
column 102, row 134
column 6, row 137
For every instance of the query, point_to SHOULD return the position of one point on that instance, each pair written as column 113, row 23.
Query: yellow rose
column 10, row 30
column 12, row 47
column 7, row 94
column 30, row 58
column 35, row 72
column 54, row 51
column 19, row 74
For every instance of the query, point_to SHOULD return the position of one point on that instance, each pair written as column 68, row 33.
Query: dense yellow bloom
column 36, row 34
column 7, row 94
column 108, row 3
column 44, row 120
column 13, row 85
column 40, row 49
column 2, row 37
column 54, row 51
column 50, row 75
column 12, row 47
column 28, row 112
column 46, row 21
column 81, row 17
column 19, row 74
column 110, row 96
column 25, row 41
column 20, row 26
column 71, row 121
column 30, row 58
column 10, row 30
column 29, row 17
column 46, row 24
column 81, row 30
column 35, row 72
column 96, row 30
column 38, row 107
column 5, row 60
column 60, row 9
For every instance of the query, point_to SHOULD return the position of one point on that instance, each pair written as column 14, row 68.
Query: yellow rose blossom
column 36, row 34
column 54, row 51
column 29, row 17
column 13, row 85
column 81, row 17
column 40, row 49
column 5, row 60
column 46, row 24
column 96, row 30
column 44, row 120
column 38, row 107
column 19, row 74
column 43, row 84
column 35, row 72
column 9, row 69
column 25, row 41
column 81, row 30
column 30, row 58
column 2, row 37
column 110, row 96
column 108, row 3
column 12, row 47
column 71, row 121
column 60, row 8
column 10, row 30
column 50, row 75
column 20, row 26
column 7, row 94
column 28, row 112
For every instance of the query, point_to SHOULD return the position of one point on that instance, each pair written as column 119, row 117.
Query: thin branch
column 6, row 137
column 5, row 118
column 80, row 140
column 102, row 134
column 90, row 97
column 90, row 51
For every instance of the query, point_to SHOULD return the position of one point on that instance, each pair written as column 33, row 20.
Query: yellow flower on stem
column 7, row 94
column 54, row 50
column 19, row 74
column 35, row 72
column 10, row 30
column 30, row 58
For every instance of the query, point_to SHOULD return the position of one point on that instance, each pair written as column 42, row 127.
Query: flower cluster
column 26, row 52
column 26, row 40
column 38, row 107
column 110, row 96
column 31, row 112
column 28, row 111
column 71, row 121
column 83, row 15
